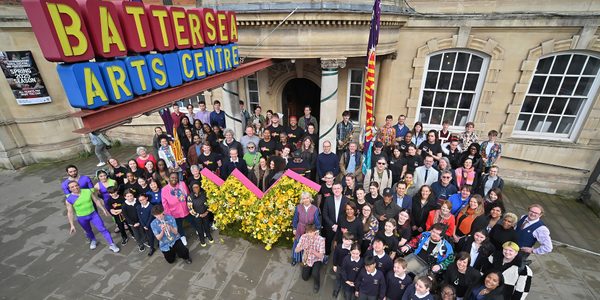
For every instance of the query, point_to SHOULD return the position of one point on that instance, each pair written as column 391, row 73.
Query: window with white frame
column 252, row 91
column 355, row 92
column 562, row 88
column 451, row 88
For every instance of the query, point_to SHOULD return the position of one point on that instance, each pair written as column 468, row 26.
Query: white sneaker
column 100, row 164
column 114, row 248
column 93, row 245
column 184, row 240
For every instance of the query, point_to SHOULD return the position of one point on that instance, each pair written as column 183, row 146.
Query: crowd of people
column 412, row 214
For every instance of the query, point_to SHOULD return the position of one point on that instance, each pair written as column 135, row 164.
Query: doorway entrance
column 298, row 93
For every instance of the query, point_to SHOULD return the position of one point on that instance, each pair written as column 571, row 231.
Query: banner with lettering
column 24, row 77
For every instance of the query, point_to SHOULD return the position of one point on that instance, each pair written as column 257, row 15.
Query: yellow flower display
column 266, row 219
column 230, row 202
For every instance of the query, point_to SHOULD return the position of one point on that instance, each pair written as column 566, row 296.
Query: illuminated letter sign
column 59, row 29
column 105, row 29
column 135, row 24
column 171, row 46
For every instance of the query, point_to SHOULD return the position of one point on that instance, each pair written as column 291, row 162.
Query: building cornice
column 318, row 18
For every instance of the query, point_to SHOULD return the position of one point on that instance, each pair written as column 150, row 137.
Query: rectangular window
column 355, row 93
column 559, row 93
column 252, row 91
column 451, row 87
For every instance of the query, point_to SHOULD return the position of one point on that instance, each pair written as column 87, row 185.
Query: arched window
column 561, row 91
column 451, row 87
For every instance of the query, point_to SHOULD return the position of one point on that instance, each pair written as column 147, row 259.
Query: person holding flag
column 171, row 152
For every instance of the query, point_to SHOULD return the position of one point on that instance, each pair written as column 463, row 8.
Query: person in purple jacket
column 73, row 175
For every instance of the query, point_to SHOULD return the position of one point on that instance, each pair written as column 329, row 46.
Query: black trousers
column 121, row 227
column 203, row 228
column 329, row 239
column 139, row 234
column 150, row 238
column 314, row 271
column 178, row 249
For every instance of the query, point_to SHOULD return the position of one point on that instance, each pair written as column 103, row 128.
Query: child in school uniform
column 131, row 217
column 383, row 261
column 351, row 266
column 397, row 280
column 339, row 253
column 419, row 290
column 144, row 212
column 115, row 204
column 389, row 237
column 313, row 246
column 370, row 283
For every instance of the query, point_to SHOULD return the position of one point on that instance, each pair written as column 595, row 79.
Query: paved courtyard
column 39, row 260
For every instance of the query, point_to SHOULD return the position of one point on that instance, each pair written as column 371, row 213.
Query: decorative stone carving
column 333, row 63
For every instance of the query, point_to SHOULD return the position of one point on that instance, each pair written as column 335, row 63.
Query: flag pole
column 370, row 83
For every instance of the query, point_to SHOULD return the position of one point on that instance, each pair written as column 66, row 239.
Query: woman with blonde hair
column 305, row 213
column 504, row 231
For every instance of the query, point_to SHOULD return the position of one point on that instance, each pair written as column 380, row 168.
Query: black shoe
column 294, row 263
column 335, row 293
column 188, row 261
column 141, row 248
column 124, row 241
column 151, row 251
column 316, row 289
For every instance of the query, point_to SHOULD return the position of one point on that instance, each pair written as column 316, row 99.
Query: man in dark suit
column 234, row 162
column 403, row 200
column 333, row 212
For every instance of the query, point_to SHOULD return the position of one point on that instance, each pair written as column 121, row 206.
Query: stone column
column 329, row 97
column 230, row 105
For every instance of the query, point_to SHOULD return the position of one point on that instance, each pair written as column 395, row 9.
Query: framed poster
column 24, row 77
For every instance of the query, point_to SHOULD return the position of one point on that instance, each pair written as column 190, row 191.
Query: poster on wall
column 24, row 77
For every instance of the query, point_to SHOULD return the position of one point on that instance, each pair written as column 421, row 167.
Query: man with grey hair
column 351, row 162
column 426, row 174
column 229, row 142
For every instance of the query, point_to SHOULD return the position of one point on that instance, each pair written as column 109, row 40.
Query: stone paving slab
column 40, row 260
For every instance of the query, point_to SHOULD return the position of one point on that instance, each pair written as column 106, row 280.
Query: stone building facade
column 527, row 69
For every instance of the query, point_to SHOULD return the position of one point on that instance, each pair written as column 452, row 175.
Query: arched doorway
column 297, row 93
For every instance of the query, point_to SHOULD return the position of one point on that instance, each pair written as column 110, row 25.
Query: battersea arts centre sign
column 114, row 51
